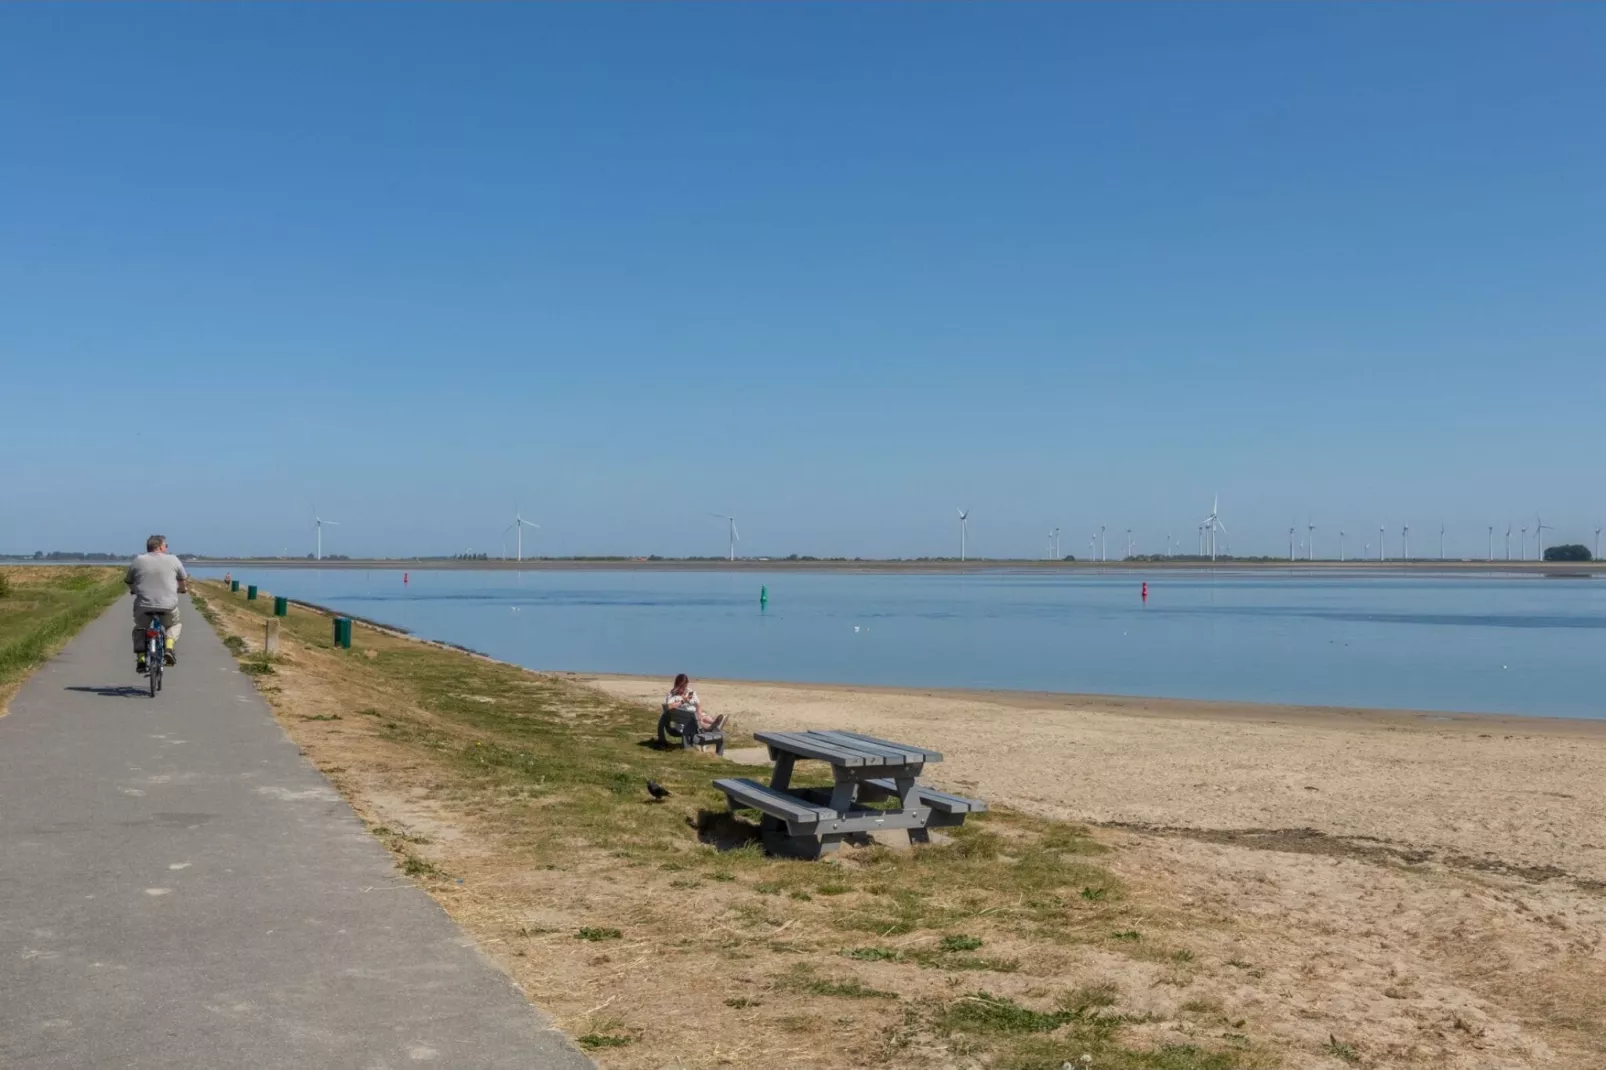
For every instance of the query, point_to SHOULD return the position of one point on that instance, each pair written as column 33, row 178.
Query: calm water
column 1521, row 645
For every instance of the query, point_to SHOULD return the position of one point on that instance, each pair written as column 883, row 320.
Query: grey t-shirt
column 154, row 579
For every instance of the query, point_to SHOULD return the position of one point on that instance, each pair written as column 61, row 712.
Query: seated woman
column 682, row 697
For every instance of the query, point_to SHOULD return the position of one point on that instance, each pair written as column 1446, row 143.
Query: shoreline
column 1156, row 706
column 1143, row 706
column 1140, row 706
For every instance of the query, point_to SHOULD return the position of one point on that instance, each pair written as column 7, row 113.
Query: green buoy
column 763, row 597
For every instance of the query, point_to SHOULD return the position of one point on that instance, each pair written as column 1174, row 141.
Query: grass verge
column 41, row 607
column 518, row 800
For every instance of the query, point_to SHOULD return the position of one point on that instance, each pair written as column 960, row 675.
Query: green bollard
column 234, row 585
column 343, row 632
column 251, row 593
column 281, row 606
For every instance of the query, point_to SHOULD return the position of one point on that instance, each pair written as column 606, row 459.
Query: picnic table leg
column 809, row 848
column 842, row 794
column 781, row 779
column 908, row 799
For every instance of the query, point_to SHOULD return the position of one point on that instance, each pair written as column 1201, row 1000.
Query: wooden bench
column 683, row 724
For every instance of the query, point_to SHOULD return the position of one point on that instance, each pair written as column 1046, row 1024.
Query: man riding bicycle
column 156, row 578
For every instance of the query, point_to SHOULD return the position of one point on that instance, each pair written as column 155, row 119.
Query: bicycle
column 155, row 652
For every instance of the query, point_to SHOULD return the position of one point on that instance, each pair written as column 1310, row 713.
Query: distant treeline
column 68, row 555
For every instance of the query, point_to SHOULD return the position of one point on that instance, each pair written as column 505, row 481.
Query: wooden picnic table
column 808, row 822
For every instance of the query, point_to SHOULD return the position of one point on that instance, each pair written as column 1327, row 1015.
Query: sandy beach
column 1503, row 793
column 1437, row 881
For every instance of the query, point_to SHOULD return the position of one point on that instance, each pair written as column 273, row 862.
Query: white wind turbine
column 318, row 522
column 1213, row 524
column 1310, row 543
column 1491, row 542
column 734, row 535
column 1380, row 554
column 1341, row 545
column 1441, row 541
column 1405, row 543
column 1597, row 542
column 520, row 523
column 1508, row 542
column 1540, row 527
column 964, row 518
column 1102, row 555
column 1290, row 544
column 1522, row 544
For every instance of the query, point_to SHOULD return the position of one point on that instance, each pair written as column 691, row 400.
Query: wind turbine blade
column 734, row 533
column 335, row 523
column 721, row 516
column 509, row 528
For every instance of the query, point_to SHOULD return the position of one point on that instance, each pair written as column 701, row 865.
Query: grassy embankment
column 41, row 607
column 660, row 935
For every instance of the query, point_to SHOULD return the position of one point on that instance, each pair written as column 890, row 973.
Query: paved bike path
column 180, row 888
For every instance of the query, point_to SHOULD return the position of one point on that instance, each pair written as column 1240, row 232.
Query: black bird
column 657, row 790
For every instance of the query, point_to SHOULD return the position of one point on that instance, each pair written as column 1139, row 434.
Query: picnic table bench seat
column 947, row 809
column 800, row 815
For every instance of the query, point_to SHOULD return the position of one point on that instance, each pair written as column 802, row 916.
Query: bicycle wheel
column 153, row 667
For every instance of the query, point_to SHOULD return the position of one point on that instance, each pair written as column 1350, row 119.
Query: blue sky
column 837, row 269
